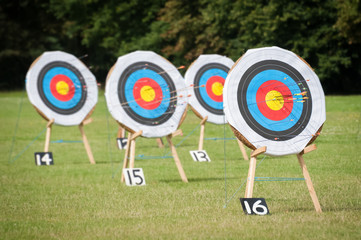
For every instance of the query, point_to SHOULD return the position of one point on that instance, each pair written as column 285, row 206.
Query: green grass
column 76, row 200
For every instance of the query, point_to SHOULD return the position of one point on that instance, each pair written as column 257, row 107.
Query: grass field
column 75, row 200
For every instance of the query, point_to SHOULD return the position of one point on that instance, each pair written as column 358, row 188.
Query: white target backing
column 144, row 91
column 273, row 98
column 62, row 88
column 206, row 76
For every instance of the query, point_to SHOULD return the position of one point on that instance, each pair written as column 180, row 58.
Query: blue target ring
column 129, row 96
column 299, row 112
column 202, row 90
column 78, row 92
column 204, row 74
column 48, row 93
column 162, row 85
column 267, row 123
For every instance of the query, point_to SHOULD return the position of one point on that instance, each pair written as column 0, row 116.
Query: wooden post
column 252, row 171
column 160, row 142
column 86, row 143
column 121, row 132
column 132, row 147
column 175, row 156
column 48, row 133
column 243, row 150
column 307, row 177
column 201, row 135
column 126, row 156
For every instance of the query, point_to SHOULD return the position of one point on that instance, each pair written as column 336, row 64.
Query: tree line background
column 326, row 33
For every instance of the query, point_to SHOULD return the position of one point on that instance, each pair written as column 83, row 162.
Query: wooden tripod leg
column 176, row 159
column 243, row 150
column 307, row 177
column 126, row 156
column 48, row 134
column 86, row 144
column 201, row 135
column 121, row 132
column 132, row 153
column 160, row 142
column 252, row 171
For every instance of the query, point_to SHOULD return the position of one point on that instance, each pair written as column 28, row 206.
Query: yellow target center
column 217, row 88
column 274, row 100
column 147, row 93
column 62, row 88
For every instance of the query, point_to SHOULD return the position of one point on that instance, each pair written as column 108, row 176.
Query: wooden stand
column 201, row 135
column 160, row 143
column 121, row 134
column 130, row 150
column 48, row 134
column 175, row 155
column 85, row 140
column 243, row 149
column 307, row 177
column 252, row 170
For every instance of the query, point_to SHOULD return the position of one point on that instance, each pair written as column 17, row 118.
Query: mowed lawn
column 76, row 200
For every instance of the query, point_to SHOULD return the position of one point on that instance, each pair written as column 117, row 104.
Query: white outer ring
column 34, row 96
column 234, row 117
column 190, row 77
column 117, row 111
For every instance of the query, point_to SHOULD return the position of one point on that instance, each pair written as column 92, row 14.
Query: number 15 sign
column 134, row 176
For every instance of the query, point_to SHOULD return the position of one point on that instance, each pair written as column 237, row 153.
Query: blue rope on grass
column 17, row 156
column 141, row 157
column 220, row 139
column 260, row 179
column 65, row 141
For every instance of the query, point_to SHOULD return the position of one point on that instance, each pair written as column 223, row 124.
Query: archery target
column 273, row 98
column 146, row 92
column 207, row 76
column 61, row 87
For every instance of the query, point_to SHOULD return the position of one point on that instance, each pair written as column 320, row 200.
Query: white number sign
column 44, row 158
column 134, row 176
column 256, row 206
column 122, row 143
column 200, row 156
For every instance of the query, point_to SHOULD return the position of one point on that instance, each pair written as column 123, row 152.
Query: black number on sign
column 134, row 176
column 256, row 206
column 44, row 158
column 122, row 143
column 200, row 156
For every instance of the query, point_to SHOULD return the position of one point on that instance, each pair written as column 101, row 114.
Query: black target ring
column 299, row 83
column 197, row 90
column 170, row 88
column 81, row 90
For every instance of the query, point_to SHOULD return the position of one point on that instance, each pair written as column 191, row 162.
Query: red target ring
column 274, row 100
column 62, row 87
column 214, row 88
column 147, row 93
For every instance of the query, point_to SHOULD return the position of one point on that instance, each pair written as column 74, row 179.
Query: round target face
column 274, row 99
column 206, row 76
column 146, row 92
column 61, row 87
